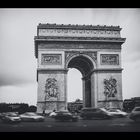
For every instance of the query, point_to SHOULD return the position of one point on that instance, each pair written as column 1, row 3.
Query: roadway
column 50, row 125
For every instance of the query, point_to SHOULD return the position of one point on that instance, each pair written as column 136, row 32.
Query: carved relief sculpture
column 51, row 88
column 109, row 59
column 110, row 87
column 53, row 59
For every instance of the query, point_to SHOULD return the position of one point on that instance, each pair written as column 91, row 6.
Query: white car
column 10, row 117
column 135, row 114
column 117, row 113
column 52, row 114
column 31, row 116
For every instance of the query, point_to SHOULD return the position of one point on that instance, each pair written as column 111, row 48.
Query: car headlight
column 11, row 119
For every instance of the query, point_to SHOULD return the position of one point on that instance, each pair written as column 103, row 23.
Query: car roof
column 29, row 113
column 63, row 111
column 137, row 107
column 90, row 108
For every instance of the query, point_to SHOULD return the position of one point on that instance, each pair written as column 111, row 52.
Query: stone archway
column 94, row 50
column 85, row 66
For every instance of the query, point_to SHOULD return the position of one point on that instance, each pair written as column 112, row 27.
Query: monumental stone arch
column 94, row 50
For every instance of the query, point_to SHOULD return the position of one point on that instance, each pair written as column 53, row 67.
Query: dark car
column 11, row 117
column 135, row 114
column 94, row 113
column 65, row 116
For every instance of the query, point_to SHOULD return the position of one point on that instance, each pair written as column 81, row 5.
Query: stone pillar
column 108, row 79
column 94, row 89
column 83, row 83
column 110, row 89
column 65, row 88
column 52, row 90
column 87, row 91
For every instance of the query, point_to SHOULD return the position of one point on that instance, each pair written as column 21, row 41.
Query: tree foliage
column 17, row 107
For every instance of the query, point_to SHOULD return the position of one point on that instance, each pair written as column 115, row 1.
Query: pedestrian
column 43, row 113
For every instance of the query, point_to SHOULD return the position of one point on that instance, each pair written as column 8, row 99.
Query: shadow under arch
column 85, row 66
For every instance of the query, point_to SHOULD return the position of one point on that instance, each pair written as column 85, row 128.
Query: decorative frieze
column 109, row 59
column 80, row 33
column 51, row 59
column 80, row 38
column 78, row 30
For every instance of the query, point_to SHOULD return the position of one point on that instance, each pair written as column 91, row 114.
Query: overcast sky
column 18, row 63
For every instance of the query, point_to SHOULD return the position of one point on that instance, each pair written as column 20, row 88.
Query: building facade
column 129, row 104
column 94, row 50
column 75, row 106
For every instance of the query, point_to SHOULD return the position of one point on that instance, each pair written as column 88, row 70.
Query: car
column 135, row 114
column 31, row 116
column 1, row 115
column 52, row 114
column 65, row 115
column 94, row 113
column 117, row 112
column 10, row 117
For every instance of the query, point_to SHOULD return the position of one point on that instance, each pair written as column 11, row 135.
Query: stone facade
column 94, row 50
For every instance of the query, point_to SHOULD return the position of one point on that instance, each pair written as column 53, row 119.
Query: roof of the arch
column 69, row 33
column 77, row 26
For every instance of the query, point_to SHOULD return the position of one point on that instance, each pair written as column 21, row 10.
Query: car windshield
column 12, row 115
column 30, row 114
column 112, row 110
column 89, row 110
column 65, row 113
column 119, row 110
column 103, row 109
column 137, row 109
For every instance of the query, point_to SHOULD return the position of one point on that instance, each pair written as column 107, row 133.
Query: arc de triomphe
column 94, row 50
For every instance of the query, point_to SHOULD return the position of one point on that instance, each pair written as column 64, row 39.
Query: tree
column 32, row 108
column 23, row 108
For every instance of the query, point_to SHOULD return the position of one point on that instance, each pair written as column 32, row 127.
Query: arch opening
column 74, row 85
column 85, row 66
column 82, row 63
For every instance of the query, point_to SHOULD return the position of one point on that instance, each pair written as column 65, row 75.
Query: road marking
column 49, row 125
column 15, row 126
column 121, row 124
column 84, row 125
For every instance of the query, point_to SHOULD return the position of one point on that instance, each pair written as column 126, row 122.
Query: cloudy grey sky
column 17, row 61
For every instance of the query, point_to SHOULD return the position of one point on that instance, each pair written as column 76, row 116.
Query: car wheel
column 121, row 116
column 105, row 117
column 74, row 119
column 84, row 118
column 137, row 119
